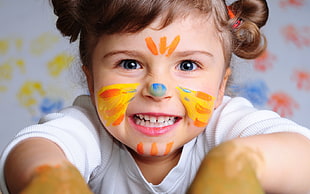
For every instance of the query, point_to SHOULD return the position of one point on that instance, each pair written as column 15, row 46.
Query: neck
column 155, row 169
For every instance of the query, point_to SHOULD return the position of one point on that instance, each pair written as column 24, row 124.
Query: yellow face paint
column 113, row 101
column 199, row 105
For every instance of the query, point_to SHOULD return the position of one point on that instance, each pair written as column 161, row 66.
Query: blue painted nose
column 157, row 89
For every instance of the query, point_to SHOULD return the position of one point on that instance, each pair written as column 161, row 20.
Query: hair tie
column 232, row 16
column 230, row 13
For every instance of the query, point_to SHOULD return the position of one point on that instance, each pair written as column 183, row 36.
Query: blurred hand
column 227, row 169
column 60, row 179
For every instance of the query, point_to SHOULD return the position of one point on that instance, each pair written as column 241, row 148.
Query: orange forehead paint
column 199, row 105
column 163, row 48
column 113, row 101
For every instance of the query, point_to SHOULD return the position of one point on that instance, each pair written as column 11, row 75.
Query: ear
column 90, row 81
column 222, row 88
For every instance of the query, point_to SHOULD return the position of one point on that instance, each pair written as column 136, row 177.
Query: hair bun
column 248, row 41
column 68, row 22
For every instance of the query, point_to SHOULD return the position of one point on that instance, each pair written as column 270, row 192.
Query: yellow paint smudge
column 19, row 43
column 59, row 64
column 113, row 101
column 4, row 47
column 199, row 105
column 43, row 43
column 20, row 63
column 29, row 92
column 6, row 71
column 3, row 89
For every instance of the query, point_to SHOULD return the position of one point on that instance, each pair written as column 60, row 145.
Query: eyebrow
column 191, row 52
column 176, row 53
column 124, row 52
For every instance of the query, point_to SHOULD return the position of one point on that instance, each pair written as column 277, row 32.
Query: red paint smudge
column 283, row 104
column 264, row 62
column 302, row 79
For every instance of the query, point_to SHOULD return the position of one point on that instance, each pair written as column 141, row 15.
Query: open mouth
column 154, row 121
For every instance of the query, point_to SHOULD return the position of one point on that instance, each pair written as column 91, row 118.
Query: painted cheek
column 199, row 105
column 113, row 101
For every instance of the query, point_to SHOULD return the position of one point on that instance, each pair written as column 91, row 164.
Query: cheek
column 112, row 102
column 199, row 105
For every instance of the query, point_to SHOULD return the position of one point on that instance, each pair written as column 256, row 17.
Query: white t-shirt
column 107, row 165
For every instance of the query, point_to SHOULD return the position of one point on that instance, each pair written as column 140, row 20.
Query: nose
column 156, row 91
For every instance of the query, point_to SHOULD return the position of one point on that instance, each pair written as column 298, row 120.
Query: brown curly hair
column 88, row 19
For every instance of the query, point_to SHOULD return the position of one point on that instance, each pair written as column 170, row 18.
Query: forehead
column 196, row 32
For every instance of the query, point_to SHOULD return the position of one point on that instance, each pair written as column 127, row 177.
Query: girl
column 157, row 72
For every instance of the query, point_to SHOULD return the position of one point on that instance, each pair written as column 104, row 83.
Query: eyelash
column 120, row 63
column 198, row 66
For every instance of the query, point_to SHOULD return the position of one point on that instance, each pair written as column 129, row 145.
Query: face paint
column 154, row 150
column 157, row 89
column 140, row 148
column 199, row 105
column 163, row 48
column 113, row 101
column 168, row 148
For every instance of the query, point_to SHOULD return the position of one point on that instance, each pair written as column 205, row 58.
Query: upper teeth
column 144, row 119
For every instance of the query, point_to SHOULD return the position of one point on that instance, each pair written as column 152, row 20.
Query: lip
column 154, row 131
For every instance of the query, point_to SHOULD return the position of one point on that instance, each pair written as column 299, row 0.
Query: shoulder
column 237, row 117
column 74, row 129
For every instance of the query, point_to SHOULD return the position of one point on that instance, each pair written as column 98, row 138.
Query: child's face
column 156, row 89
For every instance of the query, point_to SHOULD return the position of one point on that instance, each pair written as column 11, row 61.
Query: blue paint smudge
column 255, row 91
column 158, row 89
column 49, row 105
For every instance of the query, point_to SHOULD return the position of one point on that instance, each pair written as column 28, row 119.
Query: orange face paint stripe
column 202, row 110
column 118, row 120
column 199, row 105
column 163, row 45
column 168, row 148
column 113, row 101
column 151, row 45
column 154, row 149
column 115, row 110
column 203, row 96
column 198, row 123
column 110, row 93
column 173, row 45
column 140, row 148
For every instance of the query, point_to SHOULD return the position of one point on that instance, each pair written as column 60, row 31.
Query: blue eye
column 187, row 65
column 130, row 64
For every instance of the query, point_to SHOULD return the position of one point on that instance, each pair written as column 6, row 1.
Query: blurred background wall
column 39, row 68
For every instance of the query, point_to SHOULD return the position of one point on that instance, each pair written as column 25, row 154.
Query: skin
column 223, row 173
column 283, row 162
column 57, row 179
column 159, row 67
